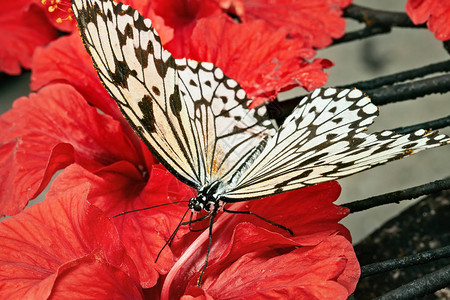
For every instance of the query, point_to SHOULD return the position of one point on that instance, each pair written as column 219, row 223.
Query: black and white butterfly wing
column 193, row 117
column 323, row 140
column 227, row 132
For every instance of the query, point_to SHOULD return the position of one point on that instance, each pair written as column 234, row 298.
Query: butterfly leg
column 211, row 220
column 196, row 220
column 258, row 216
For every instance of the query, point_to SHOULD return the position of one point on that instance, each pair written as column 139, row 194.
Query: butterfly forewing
column 323, row 140
column 226, row 129
column 142, row 78
column 192, row 116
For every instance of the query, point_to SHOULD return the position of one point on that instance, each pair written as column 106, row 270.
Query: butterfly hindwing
column 323, row 140
column 193, row 117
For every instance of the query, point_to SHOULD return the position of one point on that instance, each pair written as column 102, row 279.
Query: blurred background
column 400, row 50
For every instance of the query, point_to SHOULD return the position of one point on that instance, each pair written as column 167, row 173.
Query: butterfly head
column 206, row 199
column 198, row 203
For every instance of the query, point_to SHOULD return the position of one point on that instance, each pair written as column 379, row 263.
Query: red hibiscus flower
column 23, row 27
column 315, row 23
column 70, row 246
column 435, row 13
column 251, row 258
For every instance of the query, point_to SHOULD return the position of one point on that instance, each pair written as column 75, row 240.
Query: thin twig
column 401, row 76
column 366, row 32
column 411, row 260
column 397, row 196
column 410, row 90
column 421, row 287
column 377, row 22
column 430, row 125
column 379, row 17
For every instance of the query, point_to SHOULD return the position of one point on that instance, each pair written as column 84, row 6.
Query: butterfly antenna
column 140, row 209
column 172, row 236
column 199, row 281
column 258, row 216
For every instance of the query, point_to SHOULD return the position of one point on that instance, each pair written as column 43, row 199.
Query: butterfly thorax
column 207, row 199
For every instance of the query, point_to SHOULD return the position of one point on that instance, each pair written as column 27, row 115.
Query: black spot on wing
column 156, row 91
column 337, row 120
column 410, row 145
column 162, row 67
column 175, row 101
column 128, row 34
column 193, row 83
column 331, row 136
column 142, row 56
column 109, row 16
column 311, row 160
column 148, row 120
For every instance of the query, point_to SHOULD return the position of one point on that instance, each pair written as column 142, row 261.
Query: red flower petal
column 115, row 190
column 437, row 13
column 23, row 27
column 182, row 16
column 48, row 131
column 308, row 212
column 419, row 10
column 314, row 22
column 40, row 245
column 276, row 270
column 262, row 61
column 93, row 277
column 66, row 61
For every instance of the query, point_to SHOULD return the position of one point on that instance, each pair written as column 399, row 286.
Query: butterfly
column 197, row 121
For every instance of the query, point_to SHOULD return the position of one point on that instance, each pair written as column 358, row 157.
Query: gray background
column 400, row 50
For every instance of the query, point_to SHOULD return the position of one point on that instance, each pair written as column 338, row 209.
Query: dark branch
column 411, row 260
column 431, row 125
column 421, row 287
column 397, row 196
column 411, row 90
column 377, row 22
column 378, row 17
column 366, row 32
column 446, row 45
column 401, row 76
